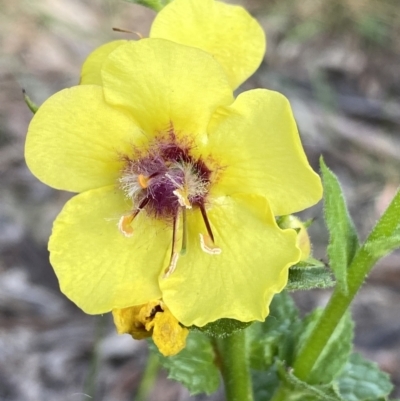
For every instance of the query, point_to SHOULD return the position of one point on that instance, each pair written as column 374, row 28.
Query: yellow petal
column 127, row 321
column 152, row 319
column 239, row 282
column 162, row 84
column 257, row 141
column 90, row 74
column 228, row 32
column 168, row 335
column 75, row 139
column 99, row 268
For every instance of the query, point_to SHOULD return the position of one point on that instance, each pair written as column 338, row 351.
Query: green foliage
column 301, row 278
column 297, row 390
column 155, row 5
column 385, row 236
column 222, row 328
column 265, row 383
column 336, row 352
column 343, row 239
column 33, row 107
column 361, row 380
column 275, row 346
column 194, row 366
column 381, row 247
column 274, row 337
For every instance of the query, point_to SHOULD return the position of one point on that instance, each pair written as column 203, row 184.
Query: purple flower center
column 165, row 178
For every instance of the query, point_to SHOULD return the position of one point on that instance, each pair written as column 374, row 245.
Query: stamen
column 174, row 251
column 143, row 181
column 207, row 245
column 182, row 198
column 124, row 224
column 172, row 265
column 184, row 232
column 181, row 192
column 207, row 241
column 206, row 222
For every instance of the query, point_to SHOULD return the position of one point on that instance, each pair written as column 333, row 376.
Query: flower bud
column 303, row 240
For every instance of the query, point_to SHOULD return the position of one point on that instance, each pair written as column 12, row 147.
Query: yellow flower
column 152, row 319
column 177, row 183
column 228, row 32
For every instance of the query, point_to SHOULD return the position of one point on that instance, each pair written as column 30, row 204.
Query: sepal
column 33, row 107
column 221, row 328
column 304, row 277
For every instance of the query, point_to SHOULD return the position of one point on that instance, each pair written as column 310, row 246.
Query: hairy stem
column 359, row 268
column 234, row 367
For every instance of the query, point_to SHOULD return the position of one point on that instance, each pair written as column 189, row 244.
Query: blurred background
column 337, row 61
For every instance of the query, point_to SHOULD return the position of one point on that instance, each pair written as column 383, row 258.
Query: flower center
column 166, row 181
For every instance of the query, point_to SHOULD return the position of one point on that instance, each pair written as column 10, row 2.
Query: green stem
column 149, row 377
column 235, row 367
column 94, row 365
column 359, row 268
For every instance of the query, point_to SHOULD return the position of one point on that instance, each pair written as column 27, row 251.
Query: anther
column 207, row 240
column 143, row 181
column 124, row 223
column 208, row 246
column 182, row 198
column 172, row 265
column 180, row 192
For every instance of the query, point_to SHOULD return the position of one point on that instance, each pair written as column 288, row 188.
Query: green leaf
column 274, row 337
column 385, row 236
column 361, row 380
column 297, row 390
column 155, row 5
column 265, row 383
column 334, row 357
column 301, row 278
column 343, row 239
column 221, row 328
column 194, row 366
column 382, row 246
